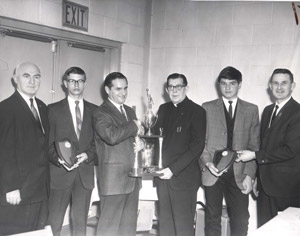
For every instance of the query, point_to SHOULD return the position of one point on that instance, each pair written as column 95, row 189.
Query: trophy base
column 144, row 171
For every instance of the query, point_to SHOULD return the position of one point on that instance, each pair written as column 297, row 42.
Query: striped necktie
column 123, row 112
column 35, row 114
column 78, row 119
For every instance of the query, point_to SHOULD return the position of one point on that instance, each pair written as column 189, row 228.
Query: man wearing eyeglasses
column 71, row 118
column 183, row 125
column 232, row 124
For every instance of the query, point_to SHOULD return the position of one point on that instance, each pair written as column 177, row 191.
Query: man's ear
column 106, row 89
column 65, row 83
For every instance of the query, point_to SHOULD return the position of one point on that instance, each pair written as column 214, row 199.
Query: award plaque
column 66, row 151
column 223, row 159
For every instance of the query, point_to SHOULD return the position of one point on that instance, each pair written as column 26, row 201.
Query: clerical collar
column 181, row 103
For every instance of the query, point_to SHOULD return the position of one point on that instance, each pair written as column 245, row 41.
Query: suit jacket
column 279, row 155
column 114, row 138
column 245, row 137
column 184, row 139
column 23, row 155
column 61, row 126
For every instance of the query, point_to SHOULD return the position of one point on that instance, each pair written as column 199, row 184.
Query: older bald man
column 23, row 162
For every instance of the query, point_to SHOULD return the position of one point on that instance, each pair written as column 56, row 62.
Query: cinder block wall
column 126, row 21
column 199, row 39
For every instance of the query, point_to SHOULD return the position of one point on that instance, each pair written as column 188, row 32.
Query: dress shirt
column 234, row 102
column 72, row 106
column 280, row 105
column 117, row 105
column 27, row 100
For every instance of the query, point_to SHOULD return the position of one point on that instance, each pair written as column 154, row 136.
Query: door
column 91, row 61
column 14, row 51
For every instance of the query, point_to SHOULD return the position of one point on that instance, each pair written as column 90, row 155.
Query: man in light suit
column 116, row 127
column 279, row 156
column 24, row 173
column 183, row 125
column 71, row 118
column 234, row 128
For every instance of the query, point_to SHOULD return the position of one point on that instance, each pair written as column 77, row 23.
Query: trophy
column 146, row 163
column 149, row 117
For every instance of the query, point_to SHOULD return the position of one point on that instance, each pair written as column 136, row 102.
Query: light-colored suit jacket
column 245, row 137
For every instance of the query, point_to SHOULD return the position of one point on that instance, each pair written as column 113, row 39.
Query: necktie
column 273, row 115
column 123, row 112
column 230, row 109
column 35, row 114
column 78, row 119
column 33, row 110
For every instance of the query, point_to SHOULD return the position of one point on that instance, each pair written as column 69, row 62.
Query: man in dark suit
column 116, row 127
column 232, row 124
column 71, row 118
column 24, row 165
column 279, row 155
column 183, row 125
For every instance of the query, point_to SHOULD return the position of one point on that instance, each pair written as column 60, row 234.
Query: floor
column 92, row 232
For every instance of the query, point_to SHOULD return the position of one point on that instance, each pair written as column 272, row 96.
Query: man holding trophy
column 116, row 129
column 182, row 123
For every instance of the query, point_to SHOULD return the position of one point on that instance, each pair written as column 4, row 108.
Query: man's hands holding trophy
column 139, row 143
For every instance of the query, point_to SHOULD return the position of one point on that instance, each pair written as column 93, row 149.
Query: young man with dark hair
column 231, row 124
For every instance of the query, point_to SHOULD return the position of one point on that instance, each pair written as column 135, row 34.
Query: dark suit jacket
column 61, row 126
column 245, row 137
column 184, row 139
column 23, row 150
column 114, row 138
column 279, row 155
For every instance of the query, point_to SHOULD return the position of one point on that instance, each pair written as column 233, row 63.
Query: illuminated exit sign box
column 75, row 16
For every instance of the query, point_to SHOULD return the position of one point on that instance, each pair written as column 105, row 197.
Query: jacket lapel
column 220, row 112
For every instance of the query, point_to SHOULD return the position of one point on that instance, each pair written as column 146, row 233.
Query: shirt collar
column 226, row 101
column 117, row 105
column 72, row 100
column 280, row 105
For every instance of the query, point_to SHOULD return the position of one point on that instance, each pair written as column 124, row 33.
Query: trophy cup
column 150, row 161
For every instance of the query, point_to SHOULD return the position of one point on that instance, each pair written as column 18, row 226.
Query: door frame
column 22, row 29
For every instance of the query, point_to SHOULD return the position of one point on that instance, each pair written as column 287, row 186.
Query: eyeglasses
column 177, row 87
column 72, row 81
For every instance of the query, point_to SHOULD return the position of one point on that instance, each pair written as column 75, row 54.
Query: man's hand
column 247, row 184
column 245, row 155
column 254, row 188
column 214, row 170
column 81, row 158
column 139, row 144
column 63, row 163
column 13, row 197
column 141, row 129
column 166, row 173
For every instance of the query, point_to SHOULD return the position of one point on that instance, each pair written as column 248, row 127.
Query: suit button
column 262, row 161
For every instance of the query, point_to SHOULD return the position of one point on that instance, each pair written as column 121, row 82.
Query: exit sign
column 75, row 16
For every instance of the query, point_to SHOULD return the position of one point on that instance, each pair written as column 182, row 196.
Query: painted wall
column 199, row 39
column 120, row 20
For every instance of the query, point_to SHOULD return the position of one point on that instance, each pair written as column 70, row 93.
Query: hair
column 113, row 76
column 74, row 70
column 177, row 76
column 16, row 70
column 230, row 73
column 282, row 71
